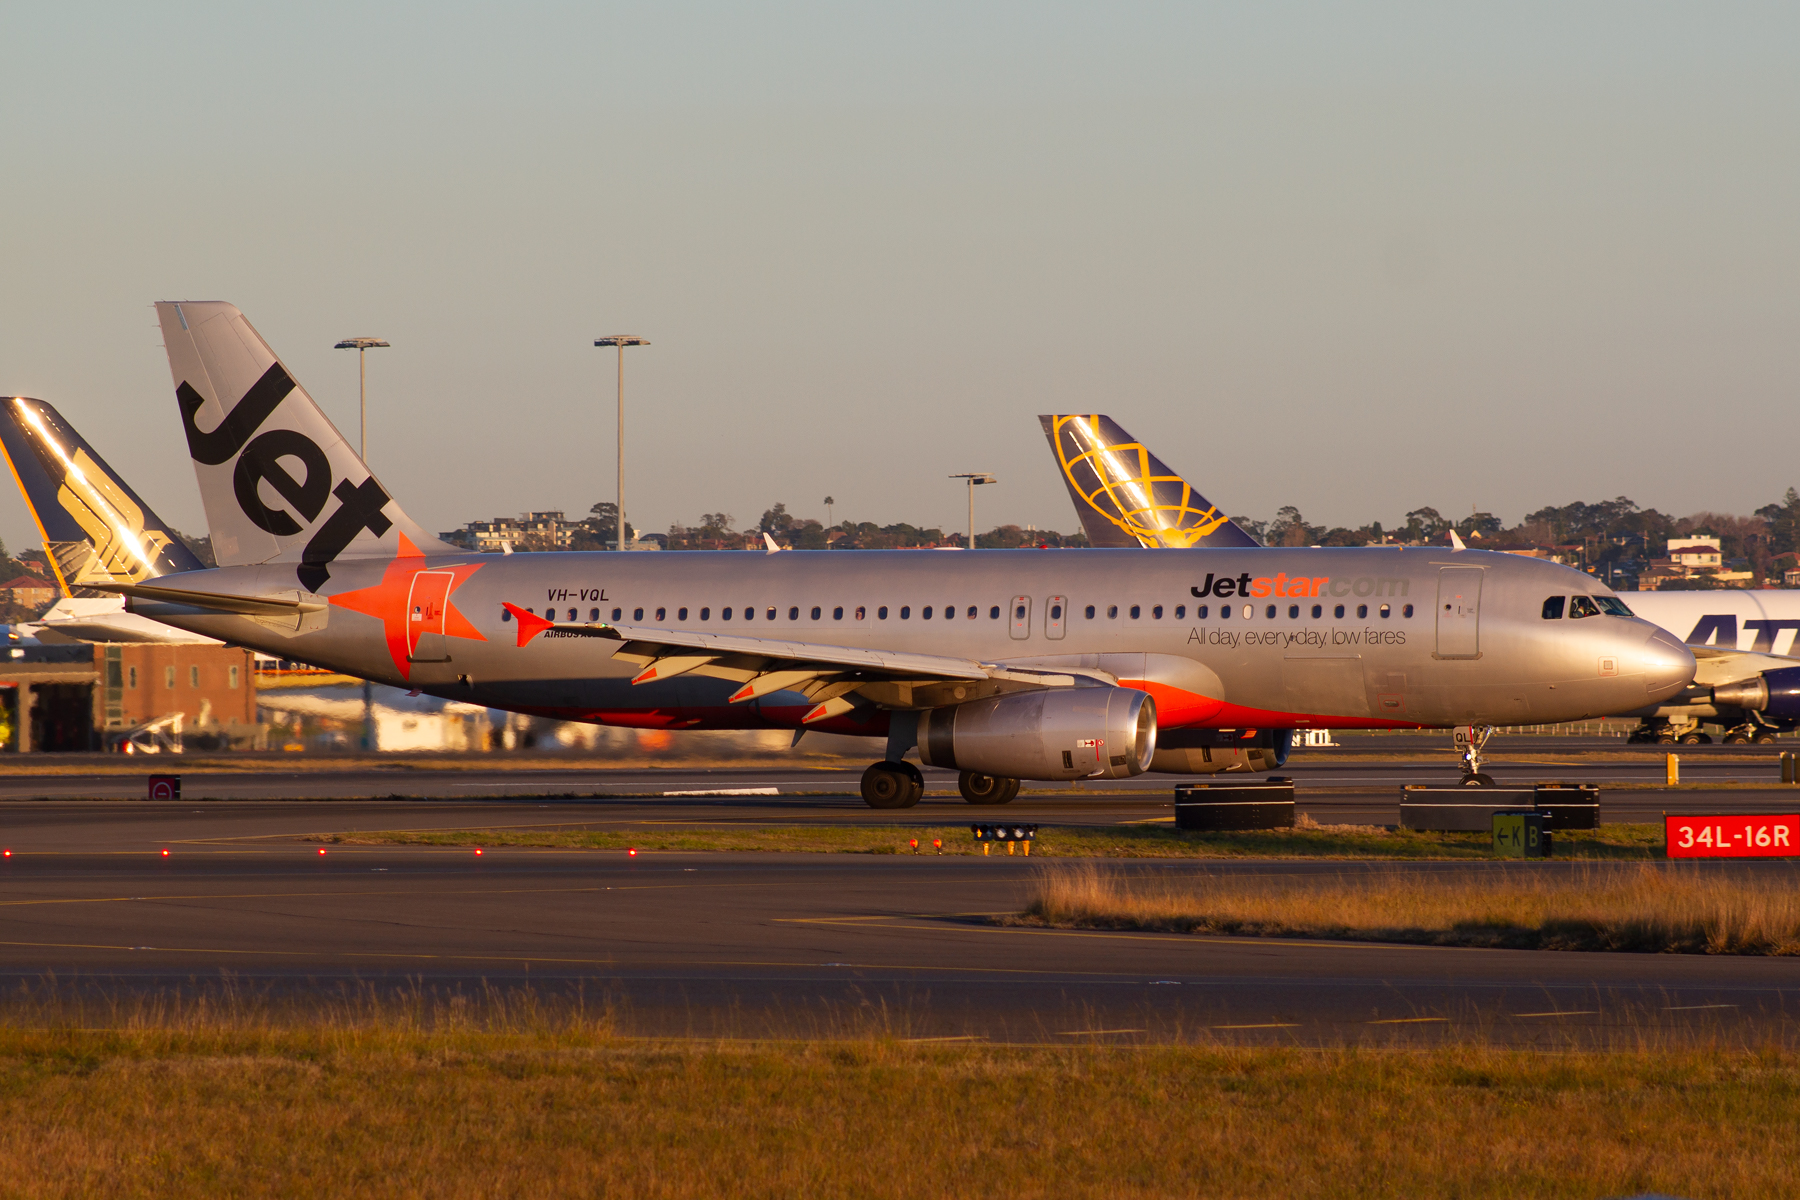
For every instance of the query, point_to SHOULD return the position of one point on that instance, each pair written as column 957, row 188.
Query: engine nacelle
column 1773, row 693
column 1215, row 751
column 1061, row 733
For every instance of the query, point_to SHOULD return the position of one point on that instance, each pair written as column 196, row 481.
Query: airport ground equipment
column 1232, row 805
column 1010, row 664
column 1520, row 833
column 1012, row 835
column 1457, row 810
column 1789, row 774
column 1731, row 835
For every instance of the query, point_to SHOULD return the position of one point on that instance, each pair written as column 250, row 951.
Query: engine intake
column 1064, row 733
column 1773, row 693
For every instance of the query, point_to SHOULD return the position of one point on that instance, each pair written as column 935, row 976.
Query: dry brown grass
column 504, row 1099
column 1642, row 907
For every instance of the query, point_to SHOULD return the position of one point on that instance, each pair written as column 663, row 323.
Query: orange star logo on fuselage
column 390, row 601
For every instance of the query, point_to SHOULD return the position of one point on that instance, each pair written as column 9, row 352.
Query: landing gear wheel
column 1694, row 739
column 977, row 788
column 1478, row 779
column 1737, row 739
column 1764, row 739
column 892, row 785
column 1667, row 739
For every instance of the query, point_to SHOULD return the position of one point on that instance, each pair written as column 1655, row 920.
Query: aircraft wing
column 830, row 676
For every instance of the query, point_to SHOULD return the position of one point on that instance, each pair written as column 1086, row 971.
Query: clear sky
column 1356, row 258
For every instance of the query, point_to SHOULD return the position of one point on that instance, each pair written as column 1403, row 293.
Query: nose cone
column 1668, row 665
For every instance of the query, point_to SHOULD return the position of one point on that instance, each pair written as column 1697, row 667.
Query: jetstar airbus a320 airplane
column 1005, row 665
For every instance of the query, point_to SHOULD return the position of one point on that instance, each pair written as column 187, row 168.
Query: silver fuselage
column 1464, row 655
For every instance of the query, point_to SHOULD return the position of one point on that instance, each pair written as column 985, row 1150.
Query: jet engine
column 1214, row 751
column 1062, row 733
column 1774, row 694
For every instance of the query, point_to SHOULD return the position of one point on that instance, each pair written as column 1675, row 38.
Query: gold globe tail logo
column 1125, row 484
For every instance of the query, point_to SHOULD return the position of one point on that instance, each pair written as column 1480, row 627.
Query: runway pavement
column 790, row 944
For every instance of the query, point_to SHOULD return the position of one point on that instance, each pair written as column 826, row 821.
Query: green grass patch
column 1616, row 842
column 403, row 1109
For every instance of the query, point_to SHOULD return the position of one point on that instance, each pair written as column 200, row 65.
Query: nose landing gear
column 1469, row 740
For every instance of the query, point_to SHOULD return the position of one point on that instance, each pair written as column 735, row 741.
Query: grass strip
column 1681, row 908
column 1640, row 842
column 397, row 1108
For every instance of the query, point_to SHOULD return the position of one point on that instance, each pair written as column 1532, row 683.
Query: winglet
column 530, row 624
column 1456, row 543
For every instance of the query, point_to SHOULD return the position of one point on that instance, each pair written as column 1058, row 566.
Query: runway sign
column 165, row 787
column 1735, row 835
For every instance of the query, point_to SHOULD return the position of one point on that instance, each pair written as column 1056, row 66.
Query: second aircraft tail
column 1125, row 496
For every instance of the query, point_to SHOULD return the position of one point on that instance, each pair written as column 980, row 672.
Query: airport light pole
column 621, row 340
column 976, row 479
column 362, row 346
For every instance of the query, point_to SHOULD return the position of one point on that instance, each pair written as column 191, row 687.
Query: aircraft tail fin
column 96, row 530
column 1124, row 494
column 279, row 482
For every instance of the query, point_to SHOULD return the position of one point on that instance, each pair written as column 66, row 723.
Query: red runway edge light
column 165, row 852
column 321, row 850
column 631, row 853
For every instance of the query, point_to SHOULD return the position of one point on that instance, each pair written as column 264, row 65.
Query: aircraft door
column 1021, row 618
column 1056, row 612
column 426, row 606
column 1459, row 612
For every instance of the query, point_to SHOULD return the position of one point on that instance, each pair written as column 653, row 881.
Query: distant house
column 29, row 591
column 1696, row 553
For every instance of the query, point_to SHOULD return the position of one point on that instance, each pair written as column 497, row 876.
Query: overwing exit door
column 426, row 606
column 1459, row 612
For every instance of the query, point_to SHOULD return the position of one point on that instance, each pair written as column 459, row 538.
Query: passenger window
column 994, row 613
column 817, row 610
column 1384, row 612
column 1318, row 611
column 1338, row 612
column 973, row 612
column 949, row 612
column 1180, row 611
column 681, row 614
column 1224, row 612
column 794, row 613
column 837, row 614
column 1553, row 608
column 662, row 614
column 616, row 613
column 1156, row 612
column 1090, row 612
column 906, row 612
column 1019, row 613
column 505, row 615
column 725, row 615
column 771, row 613
column 1112, row 612
column 1293, row 611
column 593, row 614
column 1135, row 612
column 1582, row 606
column 860, row 611
column 571, row 614
column 1362, row 610
column 1407, row 611
column 1269, row 612
column 882, row 612
column 706, row 614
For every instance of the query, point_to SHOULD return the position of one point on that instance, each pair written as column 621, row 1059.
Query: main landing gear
column 1469, row 739
column 892, row 785
column 977, row 788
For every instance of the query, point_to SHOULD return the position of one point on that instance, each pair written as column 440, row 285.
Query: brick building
column 89, row 697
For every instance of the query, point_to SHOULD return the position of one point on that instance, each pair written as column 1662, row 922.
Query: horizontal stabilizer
column 243, row 606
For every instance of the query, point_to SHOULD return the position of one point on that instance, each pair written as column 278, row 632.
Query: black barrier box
column 1568, row 805
column 1228, row 806
column 1458, row 809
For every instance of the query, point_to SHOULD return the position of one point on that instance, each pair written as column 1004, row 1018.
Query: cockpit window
column 1553, row 608
column 1612, row 606
column 1583, row 606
